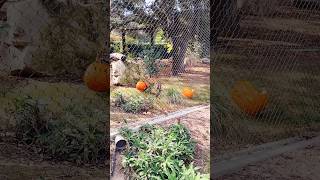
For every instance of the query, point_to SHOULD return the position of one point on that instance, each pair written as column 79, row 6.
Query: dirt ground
column 16, row 163
column 302, row 164
column 198, row 124
column 197, row 77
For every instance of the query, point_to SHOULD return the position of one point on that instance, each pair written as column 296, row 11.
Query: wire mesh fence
column 265, row 71
column 50, row 77
column 160, row 58
column 160, row 67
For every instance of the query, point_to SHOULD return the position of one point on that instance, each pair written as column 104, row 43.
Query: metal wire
column 262, row 49
column 170, row 40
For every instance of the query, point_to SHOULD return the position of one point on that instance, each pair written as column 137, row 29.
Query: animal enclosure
column 265, row 72
column 160, row 69
column 50, row 112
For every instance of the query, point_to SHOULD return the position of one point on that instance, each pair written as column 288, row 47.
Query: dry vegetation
column 264, row 53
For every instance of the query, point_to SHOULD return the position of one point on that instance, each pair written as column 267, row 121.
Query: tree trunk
column 179, row 50
column 152, row 38
column 124, row 46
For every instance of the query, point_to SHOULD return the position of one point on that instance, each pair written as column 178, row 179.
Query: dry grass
column 197, row 77
column 58, row 96
column 292, row 108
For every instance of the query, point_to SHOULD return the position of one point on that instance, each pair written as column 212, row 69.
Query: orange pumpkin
column 96, row 77
column 248, row 98
column 141, row 86
column 187, row 92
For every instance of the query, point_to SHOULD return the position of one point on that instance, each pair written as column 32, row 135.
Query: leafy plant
column 190, row 173
column 76, row 134
column 137, row 104
column 133, row 73
column 132, row 103
column 161, row 39
column 30, row 119
column 174, row 96
column 150, row 56
column 158, row 153
column 118, row 99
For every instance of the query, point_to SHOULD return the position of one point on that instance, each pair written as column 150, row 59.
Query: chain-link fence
column 265, row 71
column 264, row 75
column 53, row 87
column 159, row 48
column 160, row 69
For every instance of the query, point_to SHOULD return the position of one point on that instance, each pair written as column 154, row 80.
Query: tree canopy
column 180, row 20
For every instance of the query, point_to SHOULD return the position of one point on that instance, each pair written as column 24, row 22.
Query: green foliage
column 133, row 73
column 138, row 50
column 150, row 57
column 161, row 39
column 132, row 103
column 190, row 173
column 198, row 49
column 174, row 96
column 158, row 153
column 30, row 120
column 116, row 47
column 137, row 104
column 76, row 134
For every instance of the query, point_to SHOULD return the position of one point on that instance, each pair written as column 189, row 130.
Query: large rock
column 126, row 72
column 25, row 19
column 117, row 72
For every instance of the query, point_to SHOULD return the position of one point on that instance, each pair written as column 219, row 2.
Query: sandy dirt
column 197, row 77
column 302, row 164
column 17, row 163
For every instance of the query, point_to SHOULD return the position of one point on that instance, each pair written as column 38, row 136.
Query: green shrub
column 137, row 50
column 76, row 134
column 116, row 47
column 31, row 120
column 158, row 153
column 133, row 73
column 132, row 103
column 119, row 99
column 160, row 38
column 137, row 104
column 149, row 57
column 174, row 96
column 191, row 173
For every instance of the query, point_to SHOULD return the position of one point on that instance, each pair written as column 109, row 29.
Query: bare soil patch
column 303, row 164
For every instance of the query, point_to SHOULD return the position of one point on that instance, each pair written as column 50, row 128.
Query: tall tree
column 179, row 20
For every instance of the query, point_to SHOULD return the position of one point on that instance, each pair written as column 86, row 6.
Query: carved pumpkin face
column 96, row 77
column 187, row 92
